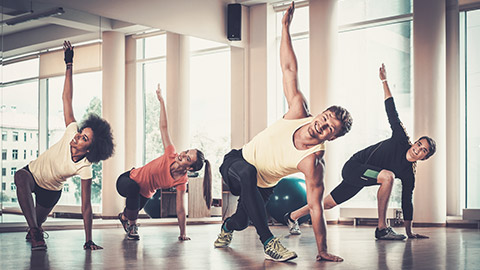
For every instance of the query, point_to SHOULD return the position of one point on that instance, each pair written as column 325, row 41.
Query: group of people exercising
column 295, row 143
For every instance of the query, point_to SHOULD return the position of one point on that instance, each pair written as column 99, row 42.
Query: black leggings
column 356, row 175
column 241, row 178
column 44, row 197
column 130, row 189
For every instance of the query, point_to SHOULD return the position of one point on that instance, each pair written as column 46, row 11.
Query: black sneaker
column 28, row 237
column 132, row 232
column 388, row 234
column 36, row 239
column 124, row 222
column 292, row 225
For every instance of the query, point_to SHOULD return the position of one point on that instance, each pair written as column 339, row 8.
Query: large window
column 470, row 41
column 87, row 99
column 210, row 84
column 151, row 67
column 361, row 54
column 362, row 47
column 18, row 114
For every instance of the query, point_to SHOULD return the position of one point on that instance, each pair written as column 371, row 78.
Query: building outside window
column 4, row 171
column 15, row 136
column 4, row 136
column 4, row 154
column 14, row 154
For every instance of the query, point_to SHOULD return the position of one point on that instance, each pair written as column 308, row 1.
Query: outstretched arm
column 297, row 105
column 163, row 120
column 313, row 167
column 87, row 214
column 68, row 85
column 383, row 77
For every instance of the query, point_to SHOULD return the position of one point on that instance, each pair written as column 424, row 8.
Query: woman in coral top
column 166, row 171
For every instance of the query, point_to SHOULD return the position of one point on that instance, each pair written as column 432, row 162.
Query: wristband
column 384, row 80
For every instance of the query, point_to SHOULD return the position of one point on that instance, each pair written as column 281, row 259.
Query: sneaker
column 37, row 239
column 275, row 251
column 132, row 232
column 292, row 225
column 224, row 239
column 388, row 234
column 28, row 237
column 124, row 222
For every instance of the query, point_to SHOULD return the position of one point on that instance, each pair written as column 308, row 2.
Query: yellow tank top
column 273, row 153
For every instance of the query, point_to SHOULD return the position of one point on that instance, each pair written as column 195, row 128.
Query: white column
column 262, row 49
column 454, row 177
column 238, row 97
column 178, row 90
column 323, row 40
column 113, row 110
column 130, row 104
column 429, row 102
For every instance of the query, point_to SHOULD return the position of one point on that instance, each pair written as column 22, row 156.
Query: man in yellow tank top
column 292, row 144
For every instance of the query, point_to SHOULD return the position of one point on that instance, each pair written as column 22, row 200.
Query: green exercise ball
column 288, row 195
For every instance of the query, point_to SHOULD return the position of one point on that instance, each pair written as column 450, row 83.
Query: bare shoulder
column 312, row 162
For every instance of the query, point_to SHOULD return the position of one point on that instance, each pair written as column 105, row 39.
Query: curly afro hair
column 102, row 146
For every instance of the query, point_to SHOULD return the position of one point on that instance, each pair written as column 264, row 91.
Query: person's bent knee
column 386, row 177
column 329, row 203
column 21, row 178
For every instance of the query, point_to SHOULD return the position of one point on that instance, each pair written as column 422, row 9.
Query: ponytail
column 207, row 177
column 207, row 184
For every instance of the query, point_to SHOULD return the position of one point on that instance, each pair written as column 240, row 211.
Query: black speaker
column 234, row 24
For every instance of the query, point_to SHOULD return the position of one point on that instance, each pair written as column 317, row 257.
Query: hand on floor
column 328, row 257
column 91, row 245
column 417, row 236
column 184, row 238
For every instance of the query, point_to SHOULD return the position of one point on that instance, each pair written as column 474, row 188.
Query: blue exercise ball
column 288, row 195
column 152, row 207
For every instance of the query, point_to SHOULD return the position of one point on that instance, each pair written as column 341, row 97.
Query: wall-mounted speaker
column 234, row 22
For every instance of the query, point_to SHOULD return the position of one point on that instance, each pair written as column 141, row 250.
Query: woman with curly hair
column 72, row 155
column 168, row 170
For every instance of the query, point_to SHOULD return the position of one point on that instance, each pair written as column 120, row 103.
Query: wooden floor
column 448, row 248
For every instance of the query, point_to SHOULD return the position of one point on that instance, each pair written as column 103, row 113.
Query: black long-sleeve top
column 390, row 154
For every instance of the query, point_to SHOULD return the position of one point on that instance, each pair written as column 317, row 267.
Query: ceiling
column 86, row 19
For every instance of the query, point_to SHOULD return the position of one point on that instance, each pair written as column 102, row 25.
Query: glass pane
column 351, row 11
column 155, row 46
column 210, row 125
column 19, row 128
column 21, row 70
column 361, row 53
column 202, row 44
column 472, row 100
column 153, row 73
column 87, row 98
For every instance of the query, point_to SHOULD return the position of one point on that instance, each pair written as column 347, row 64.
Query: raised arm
column 297, row 105
column 383, row 77
column 68, row 85
column 163, row 120
column 313, row 167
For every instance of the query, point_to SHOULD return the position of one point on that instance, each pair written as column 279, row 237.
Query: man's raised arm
column 297, row 105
